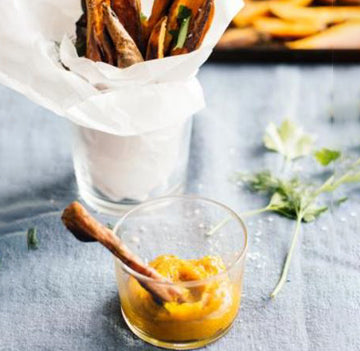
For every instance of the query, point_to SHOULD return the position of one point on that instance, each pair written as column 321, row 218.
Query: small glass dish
column 176, row 232
column 115, row 173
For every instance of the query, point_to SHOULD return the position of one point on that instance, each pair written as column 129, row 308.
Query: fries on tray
column 295, row 24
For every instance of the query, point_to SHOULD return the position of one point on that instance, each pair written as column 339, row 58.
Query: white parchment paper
column 143, row 107
column 36, row 38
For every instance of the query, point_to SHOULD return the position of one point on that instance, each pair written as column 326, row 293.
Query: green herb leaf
column 326, row 156
column 340, row 201
column 265, row 182
column 175, row 34
column 32, row 240
column 351, row 175
column 179, row 36
column 142, row 17
column 110, row 226
column 184, row 12
column 312, row 212
column 289, row 198
column 183, row 32
column 288, row 140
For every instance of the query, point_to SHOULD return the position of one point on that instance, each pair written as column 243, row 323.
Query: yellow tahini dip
column 210, row 308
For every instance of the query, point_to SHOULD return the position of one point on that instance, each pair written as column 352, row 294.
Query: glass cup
column 176, row 236
column 117, row 172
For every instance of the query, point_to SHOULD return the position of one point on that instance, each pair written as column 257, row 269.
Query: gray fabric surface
column 64, row 297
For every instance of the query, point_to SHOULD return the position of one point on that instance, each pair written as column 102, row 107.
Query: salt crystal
column 343, row 219
column 232, row 151
column 353, row 214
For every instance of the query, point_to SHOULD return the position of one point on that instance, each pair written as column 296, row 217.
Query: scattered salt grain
column 135, row 239
column 232, row 151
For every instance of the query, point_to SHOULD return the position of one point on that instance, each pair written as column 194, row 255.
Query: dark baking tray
column 283, row 55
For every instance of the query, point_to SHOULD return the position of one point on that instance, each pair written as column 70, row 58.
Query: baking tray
column 283, row 55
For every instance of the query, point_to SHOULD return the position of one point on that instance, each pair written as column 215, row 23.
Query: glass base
column 174, row 345
column 115, row 208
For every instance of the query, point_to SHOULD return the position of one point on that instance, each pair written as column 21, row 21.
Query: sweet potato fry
column 94, row 29
column 108, row 50
column 93, row 48
column 339, row 2
column 128, row 12
column 126, row 49
column 324, row 15
column 198, row 28
column 278, row 28
column 97, row 48
column 250, row 12
column 257, row 9
column 173, row 21
column 301, row 3
column 341, row 36
column 236, row 38
column 159, row 9
column 155, row 47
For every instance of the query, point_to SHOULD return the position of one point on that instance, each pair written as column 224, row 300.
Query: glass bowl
column 115, row 173
column 178, row 233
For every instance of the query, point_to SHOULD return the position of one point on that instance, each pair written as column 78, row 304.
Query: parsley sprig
column 296, row 200
column 293, row 197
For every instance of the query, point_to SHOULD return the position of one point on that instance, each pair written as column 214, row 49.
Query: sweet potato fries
column 116, row 31
column 295, row 24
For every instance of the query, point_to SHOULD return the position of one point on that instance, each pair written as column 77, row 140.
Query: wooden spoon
column 86, row 228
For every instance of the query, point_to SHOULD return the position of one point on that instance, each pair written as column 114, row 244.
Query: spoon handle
column 86, row 228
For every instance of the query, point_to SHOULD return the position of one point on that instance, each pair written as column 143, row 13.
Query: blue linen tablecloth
column 63, row 296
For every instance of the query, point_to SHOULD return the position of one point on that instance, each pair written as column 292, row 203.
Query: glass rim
column 191, row 283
